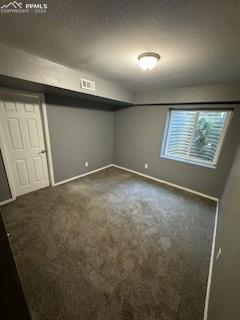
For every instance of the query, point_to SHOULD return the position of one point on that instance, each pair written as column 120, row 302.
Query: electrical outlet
column 146, row 166
column 219, row 253
column 86, row 164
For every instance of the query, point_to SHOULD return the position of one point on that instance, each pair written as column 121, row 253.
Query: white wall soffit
column 22, row 65
column 206, row 93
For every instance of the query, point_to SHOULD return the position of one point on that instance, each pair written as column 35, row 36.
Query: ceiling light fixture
column 148, row 60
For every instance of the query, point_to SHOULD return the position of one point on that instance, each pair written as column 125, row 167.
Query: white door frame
column 6, row 161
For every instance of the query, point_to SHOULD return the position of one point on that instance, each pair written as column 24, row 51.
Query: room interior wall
column 80, row 131
column 222, row 92
column 22, row 65
column 129, row 137
column 5, row 192
column 225, row 289
column 137, row 140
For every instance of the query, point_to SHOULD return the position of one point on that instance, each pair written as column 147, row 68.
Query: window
column 195, row 136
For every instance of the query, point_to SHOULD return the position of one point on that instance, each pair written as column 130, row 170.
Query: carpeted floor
column 112, row 246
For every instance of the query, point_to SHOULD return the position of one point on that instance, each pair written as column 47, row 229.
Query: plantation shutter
column 196, row 135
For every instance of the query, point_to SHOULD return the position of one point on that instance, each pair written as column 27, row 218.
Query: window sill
column 201, row 164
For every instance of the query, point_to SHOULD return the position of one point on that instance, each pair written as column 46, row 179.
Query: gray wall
column 138, row 137
column 22, row 65
column 221, row 92
column 5, row 192
column 225, row 290
column 80, row 131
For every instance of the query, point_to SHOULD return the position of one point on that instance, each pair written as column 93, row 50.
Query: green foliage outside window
column 203, row 130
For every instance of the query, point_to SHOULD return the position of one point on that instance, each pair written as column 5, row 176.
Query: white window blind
column 196, row 135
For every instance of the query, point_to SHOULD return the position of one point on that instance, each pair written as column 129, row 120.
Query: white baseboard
column 132, row 171
column 214, row 233
column 168, row 183
column 211, row 265
column 6, row 202
column 81, row 175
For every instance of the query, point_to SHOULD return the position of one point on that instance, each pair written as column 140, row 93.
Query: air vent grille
column 88, row 84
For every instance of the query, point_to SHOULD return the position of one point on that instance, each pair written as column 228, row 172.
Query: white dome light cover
column 148, row 60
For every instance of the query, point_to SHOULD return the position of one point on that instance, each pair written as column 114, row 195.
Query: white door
column 22, row 130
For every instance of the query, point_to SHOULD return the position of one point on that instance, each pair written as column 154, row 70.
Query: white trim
column 211, row 265
column 42, row 105
column 165, row 133
column 187, row 158
column 214, row 232
column 168, row 183
column 223, row 135
column 173, row 185
column 6, row 201
column 6, row 160
column 82, row 175
column 47, row 140
column 13, row 92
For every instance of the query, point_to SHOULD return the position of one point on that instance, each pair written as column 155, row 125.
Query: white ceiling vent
column 88, row 84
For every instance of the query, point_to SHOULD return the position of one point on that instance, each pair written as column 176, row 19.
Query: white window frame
column 188, row 159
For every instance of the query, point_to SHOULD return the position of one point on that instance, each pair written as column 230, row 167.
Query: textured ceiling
column 199, row 41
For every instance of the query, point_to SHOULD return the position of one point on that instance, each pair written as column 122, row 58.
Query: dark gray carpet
column 112, row 246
